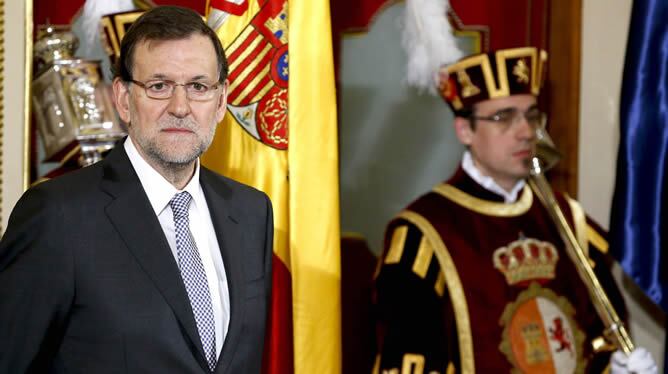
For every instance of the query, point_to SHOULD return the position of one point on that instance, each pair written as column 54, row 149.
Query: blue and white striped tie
column 194, row 276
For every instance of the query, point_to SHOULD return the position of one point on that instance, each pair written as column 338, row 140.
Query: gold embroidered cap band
column 485, row 76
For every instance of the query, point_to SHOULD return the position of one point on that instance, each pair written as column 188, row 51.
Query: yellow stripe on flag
column 314, row 196
column 301, row 181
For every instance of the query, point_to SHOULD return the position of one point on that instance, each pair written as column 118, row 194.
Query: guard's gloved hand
column 640, row 361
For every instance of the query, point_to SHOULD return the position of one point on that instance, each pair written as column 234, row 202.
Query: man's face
column 501, row 151
column 177, row 130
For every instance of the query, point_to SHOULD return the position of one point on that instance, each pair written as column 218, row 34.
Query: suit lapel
column 230, row 240
column 144, row 237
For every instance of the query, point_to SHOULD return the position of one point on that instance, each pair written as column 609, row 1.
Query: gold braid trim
column 580, row 222
column 487, row 207
column 455, row 288
column 597, row 240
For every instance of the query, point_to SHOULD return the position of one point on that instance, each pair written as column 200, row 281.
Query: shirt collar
column 488, row 182
column 157, row 188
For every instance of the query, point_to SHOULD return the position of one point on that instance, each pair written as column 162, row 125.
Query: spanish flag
column 280, row 136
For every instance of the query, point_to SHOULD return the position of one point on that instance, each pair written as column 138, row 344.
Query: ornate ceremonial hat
column 492, row 75
column 114, row 27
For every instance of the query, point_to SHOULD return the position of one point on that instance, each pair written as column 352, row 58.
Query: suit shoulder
column 227, row 185
column 83, row 178
column 53, row 197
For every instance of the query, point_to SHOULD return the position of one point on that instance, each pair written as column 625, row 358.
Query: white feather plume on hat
column 93, row 10
column 428, row 41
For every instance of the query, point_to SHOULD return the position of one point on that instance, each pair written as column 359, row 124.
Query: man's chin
column 522, row 173
column 182, row 160
column 177, row 159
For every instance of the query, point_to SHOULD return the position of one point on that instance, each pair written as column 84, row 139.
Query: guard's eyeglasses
column 507, row 118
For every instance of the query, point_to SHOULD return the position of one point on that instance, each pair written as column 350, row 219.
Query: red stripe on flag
column 278, row 346
column 244, row 44
column 234, row 95
column 260, row 84
column 249, row 59
column 230, row 7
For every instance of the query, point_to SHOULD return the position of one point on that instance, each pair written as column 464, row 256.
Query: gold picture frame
column 27, row 93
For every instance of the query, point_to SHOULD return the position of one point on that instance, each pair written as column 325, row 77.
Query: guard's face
column 501, row 151
column 174, row 130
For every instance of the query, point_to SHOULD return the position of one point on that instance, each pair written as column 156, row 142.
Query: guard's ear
column 463, row 130
column 222, row 102
column 122, row 99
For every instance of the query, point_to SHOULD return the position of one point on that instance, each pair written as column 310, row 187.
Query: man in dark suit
column 146, row 261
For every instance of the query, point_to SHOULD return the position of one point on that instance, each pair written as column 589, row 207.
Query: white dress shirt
column 159, row 192
column 488, row 182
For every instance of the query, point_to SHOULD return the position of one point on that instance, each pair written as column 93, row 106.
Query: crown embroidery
column 279, row 25
column 521, row 71
column 526, row 259
column 468, row 88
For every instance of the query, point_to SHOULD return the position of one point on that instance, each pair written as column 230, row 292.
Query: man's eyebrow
column 162, row 76
column 509, row 109
column 199, row 77
column 515, row 109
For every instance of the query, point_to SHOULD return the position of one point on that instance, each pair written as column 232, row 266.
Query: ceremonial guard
column 474, row 276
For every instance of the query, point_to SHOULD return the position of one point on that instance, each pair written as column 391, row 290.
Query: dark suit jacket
column 88, row 283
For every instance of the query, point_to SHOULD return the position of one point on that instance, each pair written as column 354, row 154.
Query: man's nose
column 524, row 130
column 179, row 105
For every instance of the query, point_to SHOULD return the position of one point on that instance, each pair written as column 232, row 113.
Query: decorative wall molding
column 15, row 19
column 2, row 98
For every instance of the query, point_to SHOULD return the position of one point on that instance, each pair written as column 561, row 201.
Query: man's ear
column 122, row 99
column 463, row 130
column 222, row 102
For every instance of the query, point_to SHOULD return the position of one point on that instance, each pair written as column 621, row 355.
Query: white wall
column 12, row 110
column 395, row 144
column 604, row 33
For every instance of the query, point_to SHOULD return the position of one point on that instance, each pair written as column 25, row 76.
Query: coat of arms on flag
column 251, row 146
column 258, row 59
